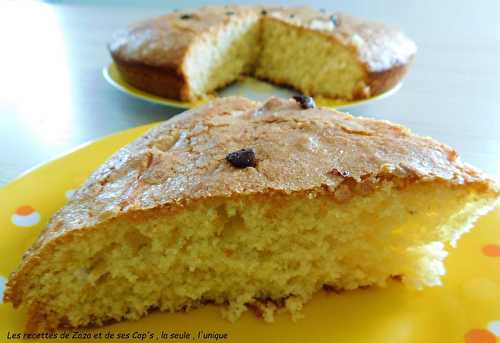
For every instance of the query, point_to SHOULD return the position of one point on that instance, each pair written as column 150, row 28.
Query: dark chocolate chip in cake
column 263, row 12
column 186, row 16
column 292, row 15
column 332, row 289
column 242, row 158
column 229, row 13
column 305, row 101
column 345, row 173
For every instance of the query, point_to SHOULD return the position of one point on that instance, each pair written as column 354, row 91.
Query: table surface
column 53, row 97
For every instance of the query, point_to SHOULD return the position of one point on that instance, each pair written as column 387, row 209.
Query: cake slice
column 245, row 204
column 188, row 55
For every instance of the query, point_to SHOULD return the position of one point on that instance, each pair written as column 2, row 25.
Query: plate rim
column 72, row 150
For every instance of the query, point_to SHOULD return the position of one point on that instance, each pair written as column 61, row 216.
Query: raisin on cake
column 246, row 204
column 187, row 55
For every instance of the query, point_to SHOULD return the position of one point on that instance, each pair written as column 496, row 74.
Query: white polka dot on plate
column 25, row 216
column 494, row 327
column 69, row 193
column 2, row 288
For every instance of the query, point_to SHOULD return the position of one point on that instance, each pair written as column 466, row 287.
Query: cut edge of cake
column 188, row 59
column 421, row 205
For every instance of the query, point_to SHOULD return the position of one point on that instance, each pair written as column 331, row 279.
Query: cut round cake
column 255, row 205
column 187, row 55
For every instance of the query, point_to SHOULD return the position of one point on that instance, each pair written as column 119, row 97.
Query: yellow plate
column 248, row 87
column 466, row 308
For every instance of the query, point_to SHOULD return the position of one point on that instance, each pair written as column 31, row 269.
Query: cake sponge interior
column 315, row 64
column 221, row 57
column 241, row 252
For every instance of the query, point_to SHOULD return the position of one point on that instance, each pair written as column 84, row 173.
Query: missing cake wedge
column 245, row 204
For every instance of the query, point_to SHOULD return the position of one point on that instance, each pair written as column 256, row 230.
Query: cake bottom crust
column 166, row 83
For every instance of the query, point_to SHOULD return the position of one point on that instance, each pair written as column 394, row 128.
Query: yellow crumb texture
column 221, row 57
column 315, row 63
column 268, row 252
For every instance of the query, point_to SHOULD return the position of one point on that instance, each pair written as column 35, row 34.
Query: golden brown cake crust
column 160, row 81
column 163, row 42
column 183, row 160
column 150, row 54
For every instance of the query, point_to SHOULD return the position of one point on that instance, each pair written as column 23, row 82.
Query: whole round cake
column 190, row 54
